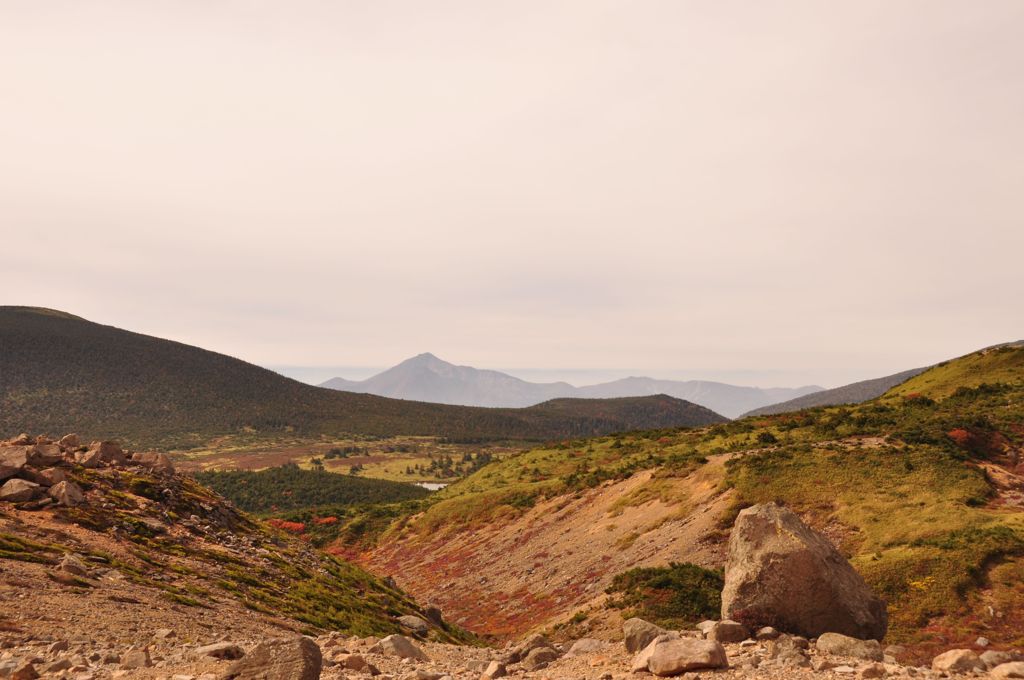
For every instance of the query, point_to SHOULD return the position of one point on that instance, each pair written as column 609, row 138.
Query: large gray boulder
column 280, row 659
column 781, row 573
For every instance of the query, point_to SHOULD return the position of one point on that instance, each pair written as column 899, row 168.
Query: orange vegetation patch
column 284, row 525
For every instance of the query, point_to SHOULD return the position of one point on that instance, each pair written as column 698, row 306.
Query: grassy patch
column 676, row 596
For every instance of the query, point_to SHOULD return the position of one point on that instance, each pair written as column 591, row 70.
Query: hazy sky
column 788, row 191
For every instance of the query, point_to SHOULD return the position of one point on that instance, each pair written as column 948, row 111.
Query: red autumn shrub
column 285, row 525
column 325, row 521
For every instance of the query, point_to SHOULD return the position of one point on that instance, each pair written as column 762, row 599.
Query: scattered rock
column 53, row 476
column 221, row 650
column 69, row 442
column 993, row 658
column 586, row 646
column 1012, row 669
column 539, row 657
column 781, row 573
column 12, row 460
column 19, row 491
column 67, row 493
column 433, row 615
column 667, row 655
column 44, row 455
column 415, row 624
column 957, row 661
column 495, row 669
column 400, row 646
column 136, row 658
column 728, row 631
column 844, row 645
column 296, row 658
column 639, row 633
column 766, row 633
column 154, row 460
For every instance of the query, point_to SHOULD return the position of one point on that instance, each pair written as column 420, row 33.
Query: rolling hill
column 854, row 393
column 59, row 372
column 427, row 378
column 923, row 487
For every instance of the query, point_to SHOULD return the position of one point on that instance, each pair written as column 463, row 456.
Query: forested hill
column 59, row 372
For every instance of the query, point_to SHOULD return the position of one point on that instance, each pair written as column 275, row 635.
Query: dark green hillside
column 289, row 487
column 61, row 373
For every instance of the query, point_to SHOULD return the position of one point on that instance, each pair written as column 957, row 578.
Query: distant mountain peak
column 425, row 377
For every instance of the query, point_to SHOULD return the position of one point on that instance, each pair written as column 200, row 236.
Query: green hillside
column 920, row 487
column 289, row 487
column 60, row 373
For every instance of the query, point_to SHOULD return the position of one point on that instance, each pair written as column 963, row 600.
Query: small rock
column 1013, row 669
column 67, row 493
column 639, row 633
column 415, row 624
column 957, row 661
column 136, row 658
column 19, row 491
column 767, row 633
column 399, row 646
column 585, row 646
column 539, row 657
column 154, row 460
column 728, row 631
column 221, row 650
column 495, row 669
column 844, row 645
column 873, row 670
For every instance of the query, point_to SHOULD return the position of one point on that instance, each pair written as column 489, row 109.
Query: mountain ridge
column 425, row 377
column 59, row 372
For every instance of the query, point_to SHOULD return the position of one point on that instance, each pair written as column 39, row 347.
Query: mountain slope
column 854, row 393
column 137, row 542
column 427, row 378
column 925, row 493
column 729, row 400
column 59, row 372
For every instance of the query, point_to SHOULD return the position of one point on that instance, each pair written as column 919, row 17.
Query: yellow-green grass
column 1000, row 365
column 914, row 521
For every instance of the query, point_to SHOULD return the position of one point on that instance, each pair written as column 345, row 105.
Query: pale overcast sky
column 783, row 192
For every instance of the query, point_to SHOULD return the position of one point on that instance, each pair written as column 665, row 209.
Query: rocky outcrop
column 783, row 574
column 280, row 659
column 158, row 462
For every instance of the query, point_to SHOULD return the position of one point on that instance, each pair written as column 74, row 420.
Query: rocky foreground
column 714, row 652
column 113, row 566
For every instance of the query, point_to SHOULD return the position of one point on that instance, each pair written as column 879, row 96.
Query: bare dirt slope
column 505, row 578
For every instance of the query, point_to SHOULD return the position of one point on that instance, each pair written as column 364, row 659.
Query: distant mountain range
column 427, row 378
column 59, row 371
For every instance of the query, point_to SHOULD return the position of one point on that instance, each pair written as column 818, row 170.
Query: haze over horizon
column 769, row 194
